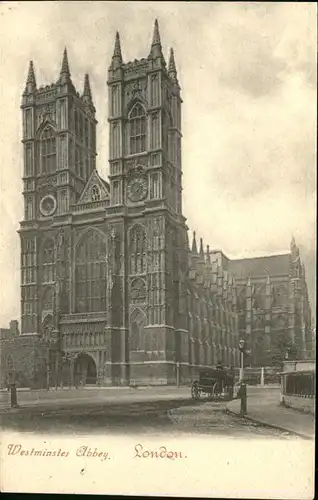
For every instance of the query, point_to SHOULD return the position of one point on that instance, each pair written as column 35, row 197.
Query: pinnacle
column 30, row 86
column 31, row 75
column 194, row 244
column 156, row 50
column 87, row 88
column 201, row 248
column 65, row 70
column 208, row 256
column 156, row 35
column 172, row 65
column 117, row 48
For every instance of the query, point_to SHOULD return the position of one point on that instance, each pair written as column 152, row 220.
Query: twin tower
column 104, row 264
column 59, row 132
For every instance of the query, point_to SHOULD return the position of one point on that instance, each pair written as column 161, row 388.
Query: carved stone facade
column 273, row 307
column 109, row 286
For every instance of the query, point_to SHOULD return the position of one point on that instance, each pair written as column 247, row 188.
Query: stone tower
column 145, row 212
column 59, row 142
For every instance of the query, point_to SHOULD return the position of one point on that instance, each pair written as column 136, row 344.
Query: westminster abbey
column 112, row 293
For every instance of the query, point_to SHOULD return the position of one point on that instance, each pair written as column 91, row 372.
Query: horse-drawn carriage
column 215, row 383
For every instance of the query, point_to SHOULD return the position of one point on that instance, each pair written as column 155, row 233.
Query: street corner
column 234, row 406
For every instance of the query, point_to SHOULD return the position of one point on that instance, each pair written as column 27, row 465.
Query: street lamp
column 241, row 349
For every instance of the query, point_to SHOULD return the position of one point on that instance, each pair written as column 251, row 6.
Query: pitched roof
column 95, row 178
column 260, row 266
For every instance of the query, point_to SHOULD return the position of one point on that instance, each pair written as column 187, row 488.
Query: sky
column 249, row 79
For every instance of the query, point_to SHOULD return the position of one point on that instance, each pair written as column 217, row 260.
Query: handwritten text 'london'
column 84, row 451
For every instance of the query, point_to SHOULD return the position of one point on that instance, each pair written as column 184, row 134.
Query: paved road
column 149, row 411
column 63, row 399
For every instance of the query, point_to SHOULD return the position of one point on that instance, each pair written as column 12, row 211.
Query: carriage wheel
column 195, row 390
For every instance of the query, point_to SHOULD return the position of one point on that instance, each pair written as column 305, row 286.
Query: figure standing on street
column 242, row 394
column 232, row 381
column 14, row 400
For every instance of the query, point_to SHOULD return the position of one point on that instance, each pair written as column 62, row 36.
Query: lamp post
column 178, row 373
column 241, row 349
column 242, row 394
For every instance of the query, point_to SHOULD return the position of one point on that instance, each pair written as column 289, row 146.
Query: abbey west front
column 112, row 292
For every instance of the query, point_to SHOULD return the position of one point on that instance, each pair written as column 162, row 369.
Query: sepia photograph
column 158, row 248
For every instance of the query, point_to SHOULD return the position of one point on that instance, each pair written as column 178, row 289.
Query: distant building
column 111, row 293
column 273, row 307
column 11, row 332
column 22, row 358
column 7, row 335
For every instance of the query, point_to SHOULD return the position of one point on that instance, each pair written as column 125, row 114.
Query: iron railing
column 300, row 384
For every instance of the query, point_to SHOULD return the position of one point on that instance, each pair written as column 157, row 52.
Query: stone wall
column 306, row 405
column 23, row 361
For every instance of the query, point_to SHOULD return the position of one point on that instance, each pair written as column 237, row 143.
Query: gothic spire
column 194, row 244
column 172, row 70
column 31, row 75
column 156, row 49
column 31, row 82
column 117, row 57
column 201, row 248
column 65, row 74
column 208, row 256
column 87, row 94
column 156, row 35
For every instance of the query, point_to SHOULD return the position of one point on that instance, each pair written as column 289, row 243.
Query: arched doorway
column 85, row 370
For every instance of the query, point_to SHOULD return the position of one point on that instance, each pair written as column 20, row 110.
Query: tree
column 282, row 348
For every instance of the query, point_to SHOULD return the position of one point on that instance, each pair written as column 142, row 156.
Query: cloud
column 248, row 78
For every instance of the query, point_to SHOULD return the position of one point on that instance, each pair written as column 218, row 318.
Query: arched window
column 48, row 150
column 279, row 296
column 47, row 327
column 137, row 130
column 48, row 262
column 90, row 274
column 95, row 193
column 138, row 250
column 241, row 299
column 137, row 324
column 259, row 298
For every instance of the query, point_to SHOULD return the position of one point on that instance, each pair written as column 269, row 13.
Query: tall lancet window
column 48, row 150
column 48, row 262
column 137, row 129
column 90, row 273
column 138, row 250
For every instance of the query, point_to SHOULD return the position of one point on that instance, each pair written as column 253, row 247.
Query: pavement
column 147, row 403
column 264, row 408
column 38, row 400
column 150, row 410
